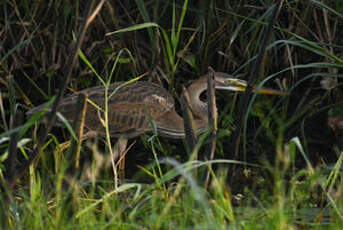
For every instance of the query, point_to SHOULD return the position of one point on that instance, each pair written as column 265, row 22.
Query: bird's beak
column 235, row 84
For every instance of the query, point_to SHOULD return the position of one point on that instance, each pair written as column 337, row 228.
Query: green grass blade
column 134, row 28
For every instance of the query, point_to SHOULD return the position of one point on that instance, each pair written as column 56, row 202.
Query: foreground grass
column 307, row 199
column 297, row 180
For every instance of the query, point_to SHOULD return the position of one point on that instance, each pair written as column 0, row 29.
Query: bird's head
column 225, row 81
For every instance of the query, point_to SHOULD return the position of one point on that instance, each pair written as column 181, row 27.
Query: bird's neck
column 172, row 125
column 199, row 108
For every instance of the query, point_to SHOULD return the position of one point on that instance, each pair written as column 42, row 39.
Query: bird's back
column 127, row 114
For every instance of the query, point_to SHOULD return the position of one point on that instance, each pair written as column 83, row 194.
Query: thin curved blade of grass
column 126, row 83
column 194, row 164
column 83, row 58
column 16, row 129
column 46, row 97
column 144, row 12
column 321, row 5
column 154, row 131
column 168, row 47
column 21, row 143
column 334, row 174
column 120, row 189
column 190, row 59
column 67, row 125
column 175, row 39
column 117, row 60
column 297, row 142
column 3, row 113
column 236, row 32
column 14, row 49
column 34, row 118
column 172, row 35
column 134, row 28
column 152, row 123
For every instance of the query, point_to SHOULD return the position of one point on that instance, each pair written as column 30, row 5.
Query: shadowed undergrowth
column 288, row 173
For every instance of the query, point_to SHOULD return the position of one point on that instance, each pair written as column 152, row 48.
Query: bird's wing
column 127, row 113
column 124, row 119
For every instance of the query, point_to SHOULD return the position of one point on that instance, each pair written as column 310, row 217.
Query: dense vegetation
column 287, row 174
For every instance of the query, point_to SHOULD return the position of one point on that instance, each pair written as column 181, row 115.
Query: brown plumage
column 127, row 114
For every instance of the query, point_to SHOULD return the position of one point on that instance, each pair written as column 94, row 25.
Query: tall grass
column 290, row 176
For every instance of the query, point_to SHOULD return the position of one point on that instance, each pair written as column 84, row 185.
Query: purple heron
column 127, row 114
column 129, row 107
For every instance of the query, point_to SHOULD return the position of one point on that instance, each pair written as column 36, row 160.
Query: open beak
column 239, row 85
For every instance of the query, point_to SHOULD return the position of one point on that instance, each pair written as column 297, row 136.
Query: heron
column 133, row 105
